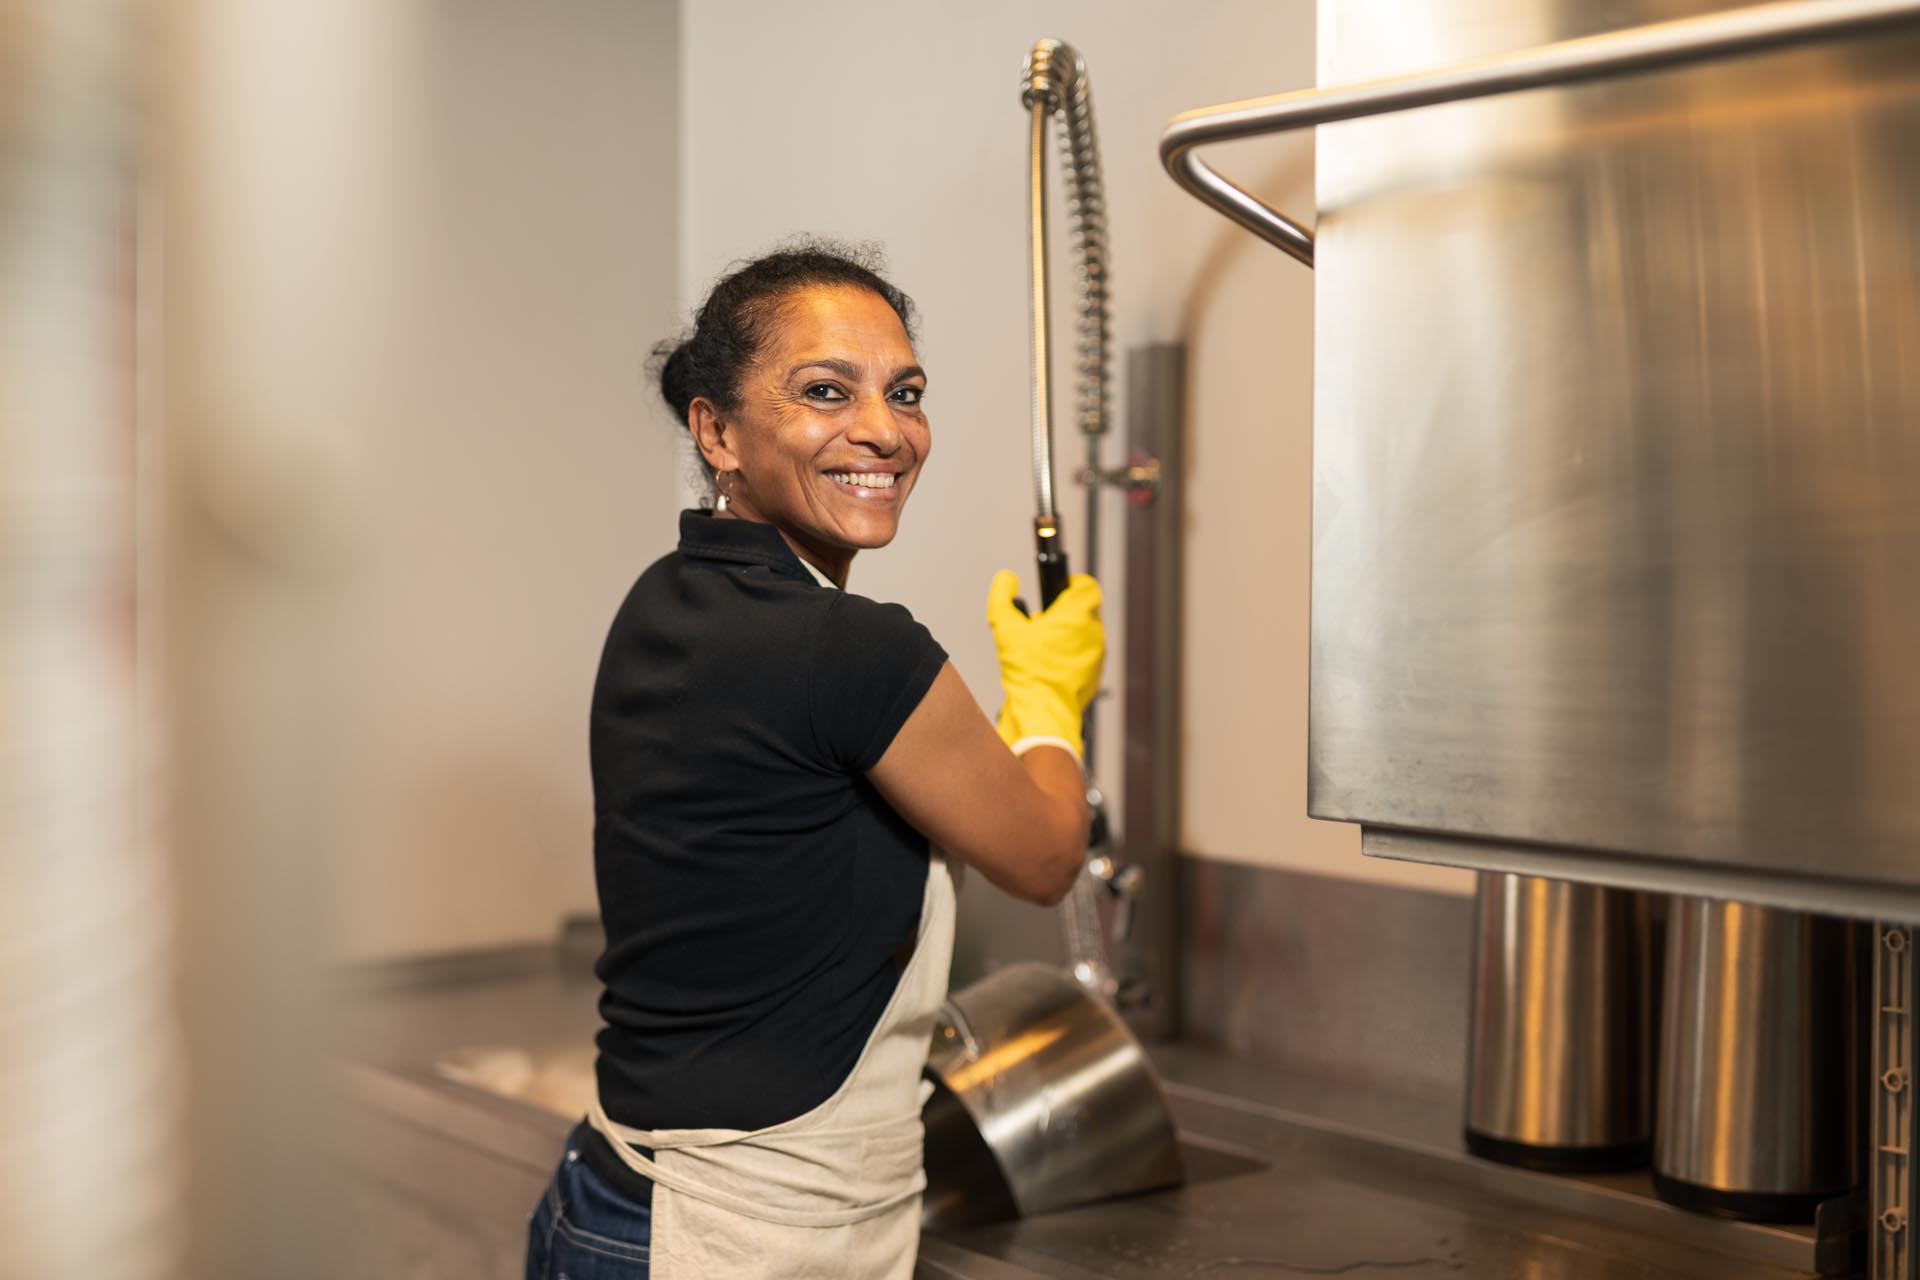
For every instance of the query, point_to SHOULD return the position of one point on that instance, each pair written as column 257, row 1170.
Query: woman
column 773, row 760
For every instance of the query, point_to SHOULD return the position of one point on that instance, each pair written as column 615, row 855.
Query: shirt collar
column 818, row 576
column 705, row 536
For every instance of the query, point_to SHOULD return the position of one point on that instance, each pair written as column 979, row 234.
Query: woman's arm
column 1022, row 820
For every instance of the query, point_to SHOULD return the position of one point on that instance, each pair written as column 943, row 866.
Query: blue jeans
column 586, row 1230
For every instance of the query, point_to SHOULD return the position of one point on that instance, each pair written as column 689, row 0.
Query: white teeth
column 864, row 479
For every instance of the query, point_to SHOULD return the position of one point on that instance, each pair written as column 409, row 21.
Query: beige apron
column 832, row 1194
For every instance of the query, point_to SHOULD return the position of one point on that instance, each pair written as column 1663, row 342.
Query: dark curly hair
column 732, row 323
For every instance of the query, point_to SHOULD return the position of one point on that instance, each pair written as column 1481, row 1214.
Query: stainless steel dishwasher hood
column 1616, row 496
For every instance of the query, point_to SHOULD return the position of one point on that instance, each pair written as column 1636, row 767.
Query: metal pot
column 1043, row 1100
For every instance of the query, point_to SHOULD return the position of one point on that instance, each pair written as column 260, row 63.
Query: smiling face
column 828, row 434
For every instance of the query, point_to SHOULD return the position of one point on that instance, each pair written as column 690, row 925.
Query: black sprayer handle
column 1052, row 559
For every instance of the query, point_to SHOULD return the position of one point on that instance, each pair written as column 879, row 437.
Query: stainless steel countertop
column 1290, row 1176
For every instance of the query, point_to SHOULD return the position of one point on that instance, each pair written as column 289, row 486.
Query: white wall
column 513, row 480
column 902, row 123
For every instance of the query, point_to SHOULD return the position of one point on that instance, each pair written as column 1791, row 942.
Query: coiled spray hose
column 1056, row 84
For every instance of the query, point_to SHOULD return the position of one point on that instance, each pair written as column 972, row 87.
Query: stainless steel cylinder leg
column 1759, row 1062
column 1559, row 1054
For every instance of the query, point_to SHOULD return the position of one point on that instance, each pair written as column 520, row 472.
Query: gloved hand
column 1049, row 664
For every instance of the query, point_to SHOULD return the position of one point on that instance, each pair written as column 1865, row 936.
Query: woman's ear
column 712, row 435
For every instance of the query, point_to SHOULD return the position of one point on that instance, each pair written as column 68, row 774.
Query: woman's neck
column 835, row 562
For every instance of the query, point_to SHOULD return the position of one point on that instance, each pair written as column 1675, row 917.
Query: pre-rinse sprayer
column 1055, row 85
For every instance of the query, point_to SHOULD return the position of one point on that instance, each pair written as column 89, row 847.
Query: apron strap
column 698, row 1139
column 622, row 1139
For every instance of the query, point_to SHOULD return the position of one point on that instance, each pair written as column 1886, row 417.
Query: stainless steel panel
column 1560, row 1050
column 1830, row 896
column 1277, row 965
column 1617, row 451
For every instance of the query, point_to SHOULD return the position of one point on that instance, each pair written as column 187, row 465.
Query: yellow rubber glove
column 1049, row 664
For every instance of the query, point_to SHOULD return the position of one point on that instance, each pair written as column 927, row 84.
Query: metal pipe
column 1151, row 621
column 1039, row 312
column 1645, row 48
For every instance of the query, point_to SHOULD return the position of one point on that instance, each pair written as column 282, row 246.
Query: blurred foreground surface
column 300, row 587
column 90, row 1042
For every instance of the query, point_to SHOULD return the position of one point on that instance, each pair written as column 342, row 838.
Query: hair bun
column 673, row 363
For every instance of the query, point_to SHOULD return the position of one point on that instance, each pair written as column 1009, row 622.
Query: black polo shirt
column 754, row 885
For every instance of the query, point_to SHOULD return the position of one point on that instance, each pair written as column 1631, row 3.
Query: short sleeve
column 870, row 666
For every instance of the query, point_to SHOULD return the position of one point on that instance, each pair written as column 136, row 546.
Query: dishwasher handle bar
column 1652, row 47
